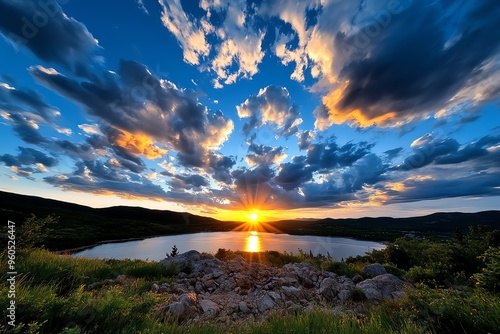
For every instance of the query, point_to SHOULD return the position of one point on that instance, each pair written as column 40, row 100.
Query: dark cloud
column 140, row 188
column 471, row 151
column 391, row 154
column 305, row 139
column 145, row 110
column 43, row 28
column 28, row 161
column 188, row 182
column 221, row 166
column 368, row 170
column 293, row 174
column 26, row 128
column 28, row 156
column 407, row 70
column 425, row 151
column 272, row 106
column 328, row 154
column 264, row 155
column 481, row 184
column 258, row 175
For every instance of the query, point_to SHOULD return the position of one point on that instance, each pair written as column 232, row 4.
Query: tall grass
column 60, row 294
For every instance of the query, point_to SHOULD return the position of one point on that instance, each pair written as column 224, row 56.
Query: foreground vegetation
column 456, row 291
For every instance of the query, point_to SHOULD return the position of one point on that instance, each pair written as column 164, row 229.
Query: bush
column 340, row 268
column 489, row 277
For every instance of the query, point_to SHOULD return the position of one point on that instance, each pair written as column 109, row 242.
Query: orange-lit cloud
column 338, row 115
column 139, row 144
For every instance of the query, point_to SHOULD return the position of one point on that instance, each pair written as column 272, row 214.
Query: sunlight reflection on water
column 250, row 241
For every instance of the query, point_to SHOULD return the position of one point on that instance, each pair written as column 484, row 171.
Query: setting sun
column 254, row 216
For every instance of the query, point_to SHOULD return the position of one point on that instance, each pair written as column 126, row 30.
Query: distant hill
column 437, row 225
column 81, row 225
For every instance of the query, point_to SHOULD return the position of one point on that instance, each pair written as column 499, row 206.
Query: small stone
column 155, row 288
column 243, row 307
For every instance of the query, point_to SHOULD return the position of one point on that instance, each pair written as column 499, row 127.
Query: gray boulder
column 386, row 286
column 329, row 288
column 209, row 307
column 373, row 270
column 181, row 260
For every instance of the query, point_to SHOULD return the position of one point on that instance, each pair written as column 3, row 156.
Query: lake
column 156, row 248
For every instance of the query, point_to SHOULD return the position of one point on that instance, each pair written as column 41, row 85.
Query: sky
column 289, row 109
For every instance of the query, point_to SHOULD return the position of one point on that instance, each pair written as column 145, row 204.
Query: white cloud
column 189, row 33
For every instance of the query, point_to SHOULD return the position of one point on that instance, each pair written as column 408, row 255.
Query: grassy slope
column 67, row 295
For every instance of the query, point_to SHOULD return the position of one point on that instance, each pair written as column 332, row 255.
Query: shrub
column 489, row 277
column 340, row 268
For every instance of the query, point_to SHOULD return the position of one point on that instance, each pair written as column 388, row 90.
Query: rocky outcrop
column 235, row 289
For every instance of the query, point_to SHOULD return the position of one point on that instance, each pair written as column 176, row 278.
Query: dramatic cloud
column 402, row 73
column 271, row 106
column 141, row 109
column 356, row 66
column 426, row 149
column 264, row 155
column 293, row 174
column 190, row 35
column 238, row 50
column 29, row 105
column 28, row 161
column 50, row 34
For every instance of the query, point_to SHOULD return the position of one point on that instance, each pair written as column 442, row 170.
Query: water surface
column 156, row 248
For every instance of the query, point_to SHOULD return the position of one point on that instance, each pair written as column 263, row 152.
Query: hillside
column 81, row 225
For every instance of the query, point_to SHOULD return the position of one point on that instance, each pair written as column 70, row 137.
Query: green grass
column 58, row 294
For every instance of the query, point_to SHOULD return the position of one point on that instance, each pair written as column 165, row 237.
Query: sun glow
column 253, row 217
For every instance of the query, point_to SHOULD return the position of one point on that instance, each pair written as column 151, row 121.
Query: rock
column 180, row 310
column 265, row 303
column 155, row 288
column 209, row 307
column 386, row 286
column 344, row 295
column 373, row 270
column 189, row 298
column 181, row 260
column 357, row 278
column 291, row 291
column 329, row 288
column 243, row 307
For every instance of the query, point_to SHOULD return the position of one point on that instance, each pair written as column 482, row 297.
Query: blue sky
column 291, row 109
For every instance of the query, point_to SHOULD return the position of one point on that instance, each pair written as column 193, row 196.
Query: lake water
column 156, row 248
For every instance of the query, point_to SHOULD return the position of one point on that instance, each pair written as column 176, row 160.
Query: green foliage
column 453, row 311
column 60, row 294
column 34, row 231
column 489, row 277
column 174, row 251
column 341, row 268
column 269, row 258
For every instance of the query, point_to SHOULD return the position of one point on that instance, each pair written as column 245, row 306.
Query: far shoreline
column 71, row 251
